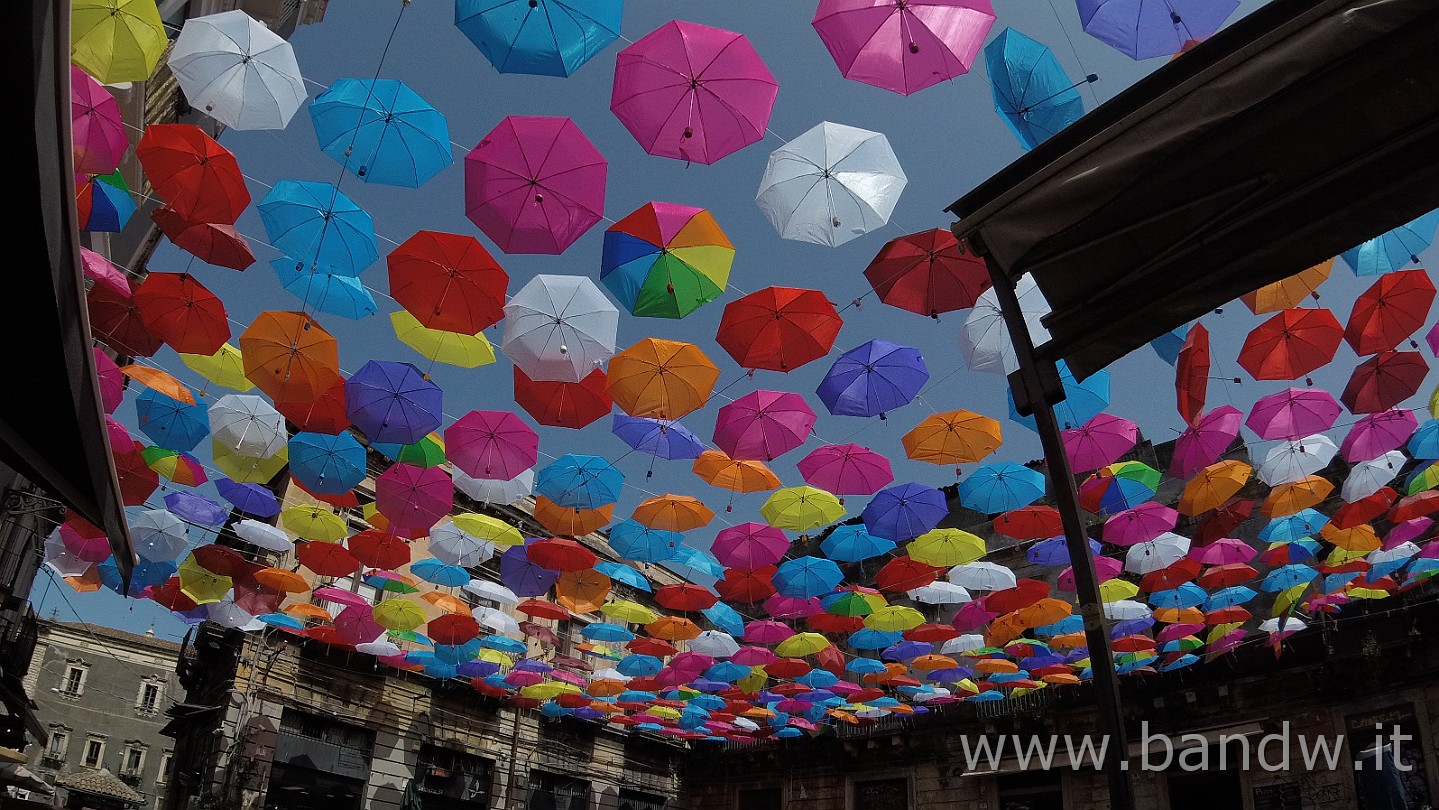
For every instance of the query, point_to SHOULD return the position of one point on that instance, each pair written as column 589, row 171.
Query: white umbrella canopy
column 1282, row 625
column 1161, row 552
column 492, row 591
column 60, row 559
column 1403, row 551
column 985, row 342
column 248, row 425
column 497, row 620
column 609, row 674
column 454, row 546
column 228, row 614
column 379, row 647
column 263, row 535
column 982, row 576
column 940, row 593
column 1368, row 477
column 1125, row 609
column 158, row 535
column 831, row 184
column 496, row 492
column 560, row 328
column 238, row 71
column 715, row 644
column 959, row 645
column 1294, row 459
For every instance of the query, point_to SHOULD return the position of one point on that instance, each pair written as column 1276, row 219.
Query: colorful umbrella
column 289, row 356
column 1118, row 487
column 175, row 466
column 1150, row 28
column 927, row 273
column 103, row 203
column 563, row 404
column 570, row 521
column 903, row 47
column 1393, row 308
column 873, row 378
column 1099, row 442
column 97, row 134
column 663, row 379
column 1031, row 91
column 1291, row 344
column 1203, row 443
column 666, row 260
column 1292, row 412
column 831, row 184
column 580, row 481
column 846, row 469
column 393, row 402
column 904, row 512
column 560, row 328
column 778, row 328
column 541, row 37
column 116, row 40
column 850, row 543
column 247, row 424
column 1213, row 485
column 238, row 71
column 953, row 437
column 181, row 311
column 763, row 425
column 1139, row 524
column 492, row 445
column 1383, row 381
column 225, row 368
column 1389, row 251
column 382, row 131
column 1288, row 292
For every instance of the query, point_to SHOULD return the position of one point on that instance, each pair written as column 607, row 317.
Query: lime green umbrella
column 894, row 617
column 801, row 644
column 399, row 614
column 451, row 348
column 946, row 547
column 201, row 584
column 800, row 509
column 116, row 41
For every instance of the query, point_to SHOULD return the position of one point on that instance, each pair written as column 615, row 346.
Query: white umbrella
column 60, row 559
column 455, row 546
column 609, row 674
column 379, row 647
column 1282, row 625
column 1294, row 459
column 248, row 425
column 492, row 591
column 263, row 535
column 496, row 492
column 959, row 645
column 982, row 576
column 1161, row 552
column 940, row 593
column 1368, row 477
column 745, row 723
column 497, row 620
column 985, row 342
column 831, row 184
column 1403, row 551
column 715, row 644
column 238, row 71
column 157, row 535
column 931, row 692
column 1122, row 610
column 228, row 614
column 560, row 328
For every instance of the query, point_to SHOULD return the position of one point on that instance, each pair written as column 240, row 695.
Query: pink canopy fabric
column 749, row 546
column 973, row 615
column 1293, row 412
column 1201, row 445
column 1224, row 551
column 903, row 46
column 1099, row 442
column 763, row 425
column 792, row 607
column 112, row 381
column 494, row 445
column 356, row 624
column 97, row 133
column 535, row 184
column 846, row 469
column 1375, row 434
column 766, row 632
column 1408, row 531
column 692, row 92
column 753, row 657
column 414, row 497
column 87, row 543
column 1105, row 568
column 1140, row 524
column 104, row 273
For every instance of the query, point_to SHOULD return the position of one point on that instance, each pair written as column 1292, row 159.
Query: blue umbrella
column 1424, row 444
column 637, row 665
column 727, row 671
column 820, row 680
column 607, row 631
column 864, row 666
column 1180, row 662
column 1082, row 400
column 725, row 618
column 905, row 650
column 580, row 481
column 1069, row 624
column 477, row 669
column 504, row 644
column 1167, row 345
column 904, row 512
column 458, row 653
column 522, row 576
column 1129, row 627
column 1001, row 487
column 850, row 543
column 873, row 378
column 281, row 620
column 1232, row 596
column 1142, row 29
column 170, row 423
column 1187, row 595
column 393, row 402
column 252, row 499
column 1397, row 248
column 335, row 293
column 1288, row 576
column 1287, row 529
column 987, row 697
column 1055, row 551
column 319, row 227
column 440, row 572
column 325, row 464
column 382, row 131
column 804, row 577
column 542, row 37
column 657, row 437
column 694, row 564
column 635, row 541
column 1031, row 91
column 147, row 573
column 624, row 574
column 192, row 507
column 1336, row 582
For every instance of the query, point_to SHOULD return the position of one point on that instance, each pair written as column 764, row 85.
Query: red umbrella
column 1030, row 523
column 1291, row 344
column 905, row 574
column 645, row 645
column 254, row 597
column 452, row 628
column 115, row 321
column 324, row 414
column 1170, row 577
column 778, row 328
column 1383, row 381
column 222, row 561
column 448, row 282
column 379, row 549
column 1417, row 505
column 543, row 609
column 740, row 585
column 1191, row 374
column 830, row 623
column 344, row 500
column 685, row 597
column 560, row 554
column 170, row 596
column 927, row 273
column 211, row 242
column 195, row 175
column 1222, row 576
column 1223, row 521
column 1391, row 310
column 331, row 559
column 414, row 497
column 181, row 311
column 564, row 404
column 1024, row 593
column 1364, row 510
column 538, row 631
column 137, row 480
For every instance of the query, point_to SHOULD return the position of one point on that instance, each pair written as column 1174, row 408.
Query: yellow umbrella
column 1288, row 292
column 494, row 657
column 1286, row 499
column 662, row 379
column 673, row 513
column 894, row 617
column 801, row 644
column 953, row 437
column 627, row 611
column 439, row 346
column 1212, row 486
column 1340, row 556
column 1113, row 590
column 1434, row 403
column 751, row 684
column 201, row 584
column 946, row 547
column 488, row 528
column 548, row 690
column 225, row 368
column 399, row 614
column 1288, row 597
column 317, row 523
column 245, row 469
column 116, row 41
column 664, row 711
column 800, row 509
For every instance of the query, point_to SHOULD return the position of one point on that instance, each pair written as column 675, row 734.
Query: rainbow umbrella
column 179, row 467
column 104, row 203
column 666, row 260
column 1118, row 487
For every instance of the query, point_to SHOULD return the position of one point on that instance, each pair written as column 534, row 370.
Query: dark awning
column 52, row 427
column 18, row 704
column 1289, row 137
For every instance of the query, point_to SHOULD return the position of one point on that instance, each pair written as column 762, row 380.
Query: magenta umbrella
column 749, row 546
column 1140, row 524
column 104, row 273
column 1375, row 434
column 112, row 381
column 1203, row 443
column 692, row 92
column 766, row 632
column 414, row 497
column 493, row 445
column 1293, row 412
column 88, row 547
column 973, row 615
column 97, row 133
column 356, row 624
column 1407, row 531
column 792, row 607
column 344, row 597
column 846, row 469
column 903, row 46
column 753, row 656
column 535, row 184
column 1105, row 568
column 1099, row 442
column 763, row 425
column 1224, row 551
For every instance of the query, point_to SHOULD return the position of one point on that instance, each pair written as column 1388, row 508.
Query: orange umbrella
column 1004, row 629
column 571, row 522
column 1191, row 615
column 933, row 662
column 673, row 513
column 661, row 379
column 1045, row 611
column 582, row 591
column 289, row 356
column 604, row 687
column 717, row 469
column 447, row 602
column 1067, row 641
column 159, row 381
column 309, row 611
column 996, row 666
column 1288, row 292
column 953, row 437
column 1286, row 499
column 1212, row 486
column 86, row 582
column 673, row 628
column 1060, row 678
column 278, row 579
column 1361, row 538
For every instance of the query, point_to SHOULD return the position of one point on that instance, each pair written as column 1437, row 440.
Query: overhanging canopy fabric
column 1298, row 132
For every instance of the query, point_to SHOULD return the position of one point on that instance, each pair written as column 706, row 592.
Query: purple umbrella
column 904, row 47
column 1100, row 441
column 749, row 546
column 494, row 445
column 904, row 512
column 1203, row 443
column 1140, row 524
column 522, row 576
column 1293, row 412
column 1055, row 551
column 876, row 377
column 414, row 497
column 252, row 499
column 1375, row 434
column 1141, row 29
column 657, row 437
column 393, row 402
column 763, row 425
column 193, row 507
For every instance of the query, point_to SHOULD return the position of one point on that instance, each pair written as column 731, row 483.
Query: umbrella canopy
column 1294, row 459
column 985, row 339
column 580, row 481
column 326, row 464
column 851, row 543
column 657, row 437
column 1393, row 308
column 382, row 131
column 170, row 423
column 238, row 71
column 1191, row 374
column 800, row 509
column 691, row 92
column 225, row 368
column 1292, row 412
column 1139, row 524
column 448, row 282
column 674, row 513
column 319, row 227
column 778, row 328
column 491, row 445
column 1288, row 292
column 103, row 203
column 831, row 184
column 178, row 309
column 535, row 184
column 210, row 242
column 1383, row 381
column 805, row 577
column 1372, row 435
column 1150, row 28
column 414, row 497
column 117, row 41
column 1031, row 91
column 247, row 424
column 438, row 346
column 737, row 475
column 953, row 437
column 903, row 47
column 97, row 134
column 563, row 404
column 750, row 546
column 1001, row 487
column 873, row 378
column 635, row 541
column 1389, row 251
column 393, row 402
column 662, row 379
column 1100, row 441
column 946, row 547
column 543, row 37
column 158, row 535
column 289, row 356
column 560, row 328
column 927, row 273
column 904, row 512
column 1291, row 344
column 763, row 425
column 666, row 260
column 1202, row 443
column 846, row 469
column 1118, row 487
column 197, row 177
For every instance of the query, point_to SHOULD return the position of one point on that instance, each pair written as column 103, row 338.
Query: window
column 57, row 746
column 74, row 684
column 148, row 701
column 453, row 780
column 133, row 762
column 881, row 794
column 94, row 752
column 638, row 800
column 163, row 775
column 552, row 791
column 770, row 798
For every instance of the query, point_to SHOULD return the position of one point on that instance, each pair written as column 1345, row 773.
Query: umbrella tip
column 1092, row 78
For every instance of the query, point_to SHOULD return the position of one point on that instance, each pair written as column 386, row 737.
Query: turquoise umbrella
column 541, row 37
column 320, row 228
column 1001, row 487
column 382, row 131
column 335, row 293
column 1032, row 93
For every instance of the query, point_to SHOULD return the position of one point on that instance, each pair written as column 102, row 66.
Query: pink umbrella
column 356, row 624
column 763, row 425
column 1407, row 532
column 1227, row 642
column 1099, row 442
column 903, row 46
column 348, row 598
column 84, row 541
column 1202, row 444
column 749, row 546
column 414, row 497
column 494, row 445
column 1170, row 632
column 97, row 133
column 1224, row 551
column 972, row 615
column 692, row 662
column 792, row 607
column 567, row 677
column 1105, row 568
column 692, row 92
column 1140, row 524
column 120, row 438
column 104, row 273
column 112, row 382
column 1293, row 412
column 1375, row 434
column 524, row 677
column 535, row 184
column 766, row 632
column 753, row 657
column 846, row 469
